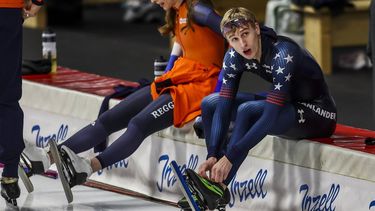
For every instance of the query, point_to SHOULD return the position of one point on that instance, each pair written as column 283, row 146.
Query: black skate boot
column 10, row 190
column 213, row 194
column 35, row 160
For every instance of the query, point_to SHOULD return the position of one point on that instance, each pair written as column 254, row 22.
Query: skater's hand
column 206, row 166
column 220, row 170
column 30, row 10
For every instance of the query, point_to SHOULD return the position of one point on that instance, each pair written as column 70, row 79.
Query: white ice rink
column 48, row 195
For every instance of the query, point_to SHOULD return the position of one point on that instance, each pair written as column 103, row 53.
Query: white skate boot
column 73, row 170
column 36, row 159
column 78, row 168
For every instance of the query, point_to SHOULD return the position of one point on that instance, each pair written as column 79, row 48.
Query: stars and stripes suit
column 297, row 105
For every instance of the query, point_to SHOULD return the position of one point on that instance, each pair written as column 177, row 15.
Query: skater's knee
column 138, row 126
column 209, row 103
column 136, row 122
column 249, row 109
column 104, row 122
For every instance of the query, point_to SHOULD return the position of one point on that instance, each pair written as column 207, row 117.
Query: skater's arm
column 206, row 16
column 284, row 63
column 232, row 72
column 31, row 8
column 175, row 54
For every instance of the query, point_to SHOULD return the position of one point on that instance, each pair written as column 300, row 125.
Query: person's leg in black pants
column 11, row 115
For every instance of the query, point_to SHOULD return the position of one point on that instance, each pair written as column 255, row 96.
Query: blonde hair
column 238, row 13
column 170, row 16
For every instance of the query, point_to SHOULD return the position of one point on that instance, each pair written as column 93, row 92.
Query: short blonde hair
column 238, row 13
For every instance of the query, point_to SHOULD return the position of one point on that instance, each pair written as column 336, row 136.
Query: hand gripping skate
column 204, row 193
column 188, row 191
column 62, row 169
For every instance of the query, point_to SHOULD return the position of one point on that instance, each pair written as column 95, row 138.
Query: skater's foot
column 10, row 190
column 215, row 196
column 35, row 159
column 77, row 169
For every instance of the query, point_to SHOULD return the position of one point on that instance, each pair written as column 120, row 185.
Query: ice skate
column 183, row 203
column 79, row 169
column 73, row 170
column 23, row 174
column 199, row 193
column 36, row 160
column 211, row 193
column 10, row 190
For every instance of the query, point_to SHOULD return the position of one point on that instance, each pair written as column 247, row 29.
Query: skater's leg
column 155, row 117
column 115, row 119
column 11, row 115
column 248, row 115
column 208, row 110
column 11, row 142
column 142, row 125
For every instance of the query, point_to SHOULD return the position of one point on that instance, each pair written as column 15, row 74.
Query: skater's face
column 167, row 4
column 245, row 40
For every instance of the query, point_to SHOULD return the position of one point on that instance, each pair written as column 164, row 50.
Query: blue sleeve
column 231, row 75
column 283, row 66
column 206, row 16
column 283, row 63
column 170, row 64
column 219, row 81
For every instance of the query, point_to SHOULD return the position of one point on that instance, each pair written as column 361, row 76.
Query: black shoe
column 10, row 190
column 214, row 195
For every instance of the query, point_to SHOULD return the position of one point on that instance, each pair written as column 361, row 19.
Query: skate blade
column 25, row 179
column 11, row 203
column 25, row 162
column 56, row 157
column 184, row 187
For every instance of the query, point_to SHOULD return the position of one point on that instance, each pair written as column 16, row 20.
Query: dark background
column 100, row 42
